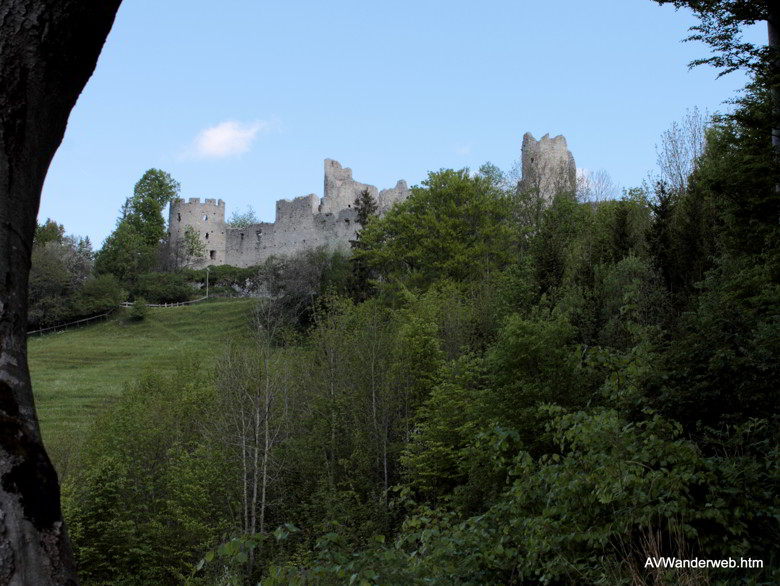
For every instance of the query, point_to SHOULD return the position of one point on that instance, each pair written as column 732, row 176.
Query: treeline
column 492, row 390
column 62, row 285
column 69, row 281
column 66, row 282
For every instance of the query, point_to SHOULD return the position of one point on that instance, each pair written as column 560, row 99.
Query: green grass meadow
column 78, row 373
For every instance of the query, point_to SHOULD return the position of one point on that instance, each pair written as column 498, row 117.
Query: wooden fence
column 128, row 304
column 77, row 323
column 81, row 322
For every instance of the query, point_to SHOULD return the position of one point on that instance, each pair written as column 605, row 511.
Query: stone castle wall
column 301, row 223
column 310, row 222
column 340, row 191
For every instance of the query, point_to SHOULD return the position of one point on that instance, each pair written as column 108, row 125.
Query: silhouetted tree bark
column 48, row 51
column 773, row 26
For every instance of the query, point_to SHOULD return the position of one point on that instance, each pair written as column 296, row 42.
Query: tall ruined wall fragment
column 340, row 190
column 389, row 197
column 548, row 166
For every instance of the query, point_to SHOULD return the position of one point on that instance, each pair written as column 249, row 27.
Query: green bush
column 149, row 497
column 139, row 310
column 226, row 280
column 163, row 287
column 99, row 294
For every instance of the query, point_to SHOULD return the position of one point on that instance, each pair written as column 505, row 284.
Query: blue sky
column 242, row 100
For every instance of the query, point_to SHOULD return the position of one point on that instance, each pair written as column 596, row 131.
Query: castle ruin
column 310, row 222
column 301, row 223
column 548, row 166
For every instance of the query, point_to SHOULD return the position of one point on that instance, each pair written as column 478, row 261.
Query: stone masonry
column 311, row 222
column 548, row 166
column 301, row 223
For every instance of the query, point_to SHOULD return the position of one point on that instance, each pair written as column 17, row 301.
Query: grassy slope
column 75, row 374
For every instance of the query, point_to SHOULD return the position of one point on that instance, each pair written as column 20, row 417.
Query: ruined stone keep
column 310, row 222
column 548, row 166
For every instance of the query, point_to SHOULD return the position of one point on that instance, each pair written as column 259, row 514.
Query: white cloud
column 462, row 149
column 227, row 139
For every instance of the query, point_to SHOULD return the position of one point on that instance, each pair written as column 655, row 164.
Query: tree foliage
column 193, row 248
column 134, row 247
column 682, row 145
column 49, row 231
column 147, row 499
column 242, row 219
column 144, row 210
column 61, row 266
column 720, row 26
column 125, row 254
column 454, row 226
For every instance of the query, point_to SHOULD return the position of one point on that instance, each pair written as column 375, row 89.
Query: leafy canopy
column 720, row 24
column 453, row 226
column 242, row 219
column 144, row 209
column 132, row 248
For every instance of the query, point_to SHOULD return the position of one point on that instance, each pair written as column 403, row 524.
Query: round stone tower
column 208, row 221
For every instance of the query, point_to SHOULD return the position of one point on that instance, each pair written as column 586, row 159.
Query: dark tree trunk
column 773, row 26
column 48, row 51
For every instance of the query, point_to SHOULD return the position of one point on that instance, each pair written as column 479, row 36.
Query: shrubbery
column 226, row 280
column 163, row 287
column 139, row 309
column 98, row 294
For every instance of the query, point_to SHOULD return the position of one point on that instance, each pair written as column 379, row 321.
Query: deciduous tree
column 134, row 245
column 125, row 254
column 243, row 219
column 682, row 144
column 59, row 268
column 254, row 387
column 454, row 226
column 144, row 209
column 192, row 249
column 720, row 26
